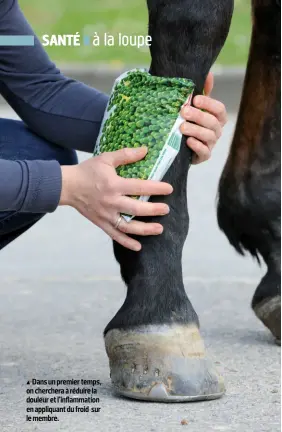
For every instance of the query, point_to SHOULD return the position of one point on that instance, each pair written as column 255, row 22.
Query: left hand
column 206, row 127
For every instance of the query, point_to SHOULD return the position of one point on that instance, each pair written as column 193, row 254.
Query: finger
column 203, row 119
column 140, row 208
column 140, row 228
column 122, row 238
column 144, row 187
column 124, row 156
column 202, row 134
column 201, row 151
column 209, row 84
column 212, row 106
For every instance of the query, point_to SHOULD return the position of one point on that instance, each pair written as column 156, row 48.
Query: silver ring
column 118, row 222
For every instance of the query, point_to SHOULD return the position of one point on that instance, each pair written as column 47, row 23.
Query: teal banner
column 16, row 40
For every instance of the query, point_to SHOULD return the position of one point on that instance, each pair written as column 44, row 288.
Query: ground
column 60, row 286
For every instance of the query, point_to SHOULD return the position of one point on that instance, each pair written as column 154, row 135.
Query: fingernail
column 197, row 101
column 144, row 148
column 188, row 111
column 137, row 248
column 167, row 210
column 139, row 150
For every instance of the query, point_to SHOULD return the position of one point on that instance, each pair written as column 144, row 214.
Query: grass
column 128, row 17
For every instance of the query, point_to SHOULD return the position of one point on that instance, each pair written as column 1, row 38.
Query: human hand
column 204, row 134
column 98, row 193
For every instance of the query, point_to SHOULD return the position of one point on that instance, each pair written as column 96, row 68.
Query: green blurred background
column 128, row 17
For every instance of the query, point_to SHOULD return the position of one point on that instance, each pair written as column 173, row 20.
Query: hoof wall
column 162, row 364
column 269, row 312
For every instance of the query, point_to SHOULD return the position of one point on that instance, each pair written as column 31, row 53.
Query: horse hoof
column 162, row 364
column 269, row 312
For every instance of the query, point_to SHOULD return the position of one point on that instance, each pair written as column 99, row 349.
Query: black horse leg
column 154, row 345
column 249, row 205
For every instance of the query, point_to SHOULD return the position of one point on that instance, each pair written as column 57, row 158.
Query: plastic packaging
column 143, row 110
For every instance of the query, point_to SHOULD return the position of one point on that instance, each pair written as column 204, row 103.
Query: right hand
column 98, row 193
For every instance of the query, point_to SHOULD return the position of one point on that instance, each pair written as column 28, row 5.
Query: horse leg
column 153, row 343
column 249, row 190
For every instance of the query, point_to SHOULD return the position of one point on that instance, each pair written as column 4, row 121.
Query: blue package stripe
column 16, row 40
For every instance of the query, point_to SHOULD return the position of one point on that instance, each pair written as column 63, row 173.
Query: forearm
column 61, row 110
column 30, row 186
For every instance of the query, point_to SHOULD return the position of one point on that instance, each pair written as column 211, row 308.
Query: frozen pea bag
column 143, row 110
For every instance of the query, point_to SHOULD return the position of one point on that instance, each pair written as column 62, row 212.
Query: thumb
column 126, row 156
column 209, row 84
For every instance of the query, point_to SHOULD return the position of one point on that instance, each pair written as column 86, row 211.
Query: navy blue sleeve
column 61, row 110
column 29, row 186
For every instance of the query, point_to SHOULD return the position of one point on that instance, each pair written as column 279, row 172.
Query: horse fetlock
column 162, row 363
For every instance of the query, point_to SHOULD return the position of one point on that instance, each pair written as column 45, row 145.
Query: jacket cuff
column 44, row 186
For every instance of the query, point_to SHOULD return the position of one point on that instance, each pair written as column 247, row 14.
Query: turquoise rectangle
column 15, row 40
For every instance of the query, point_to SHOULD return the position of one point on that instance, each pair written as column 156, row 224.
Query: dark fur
column 187, row 37
column 249, row 190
